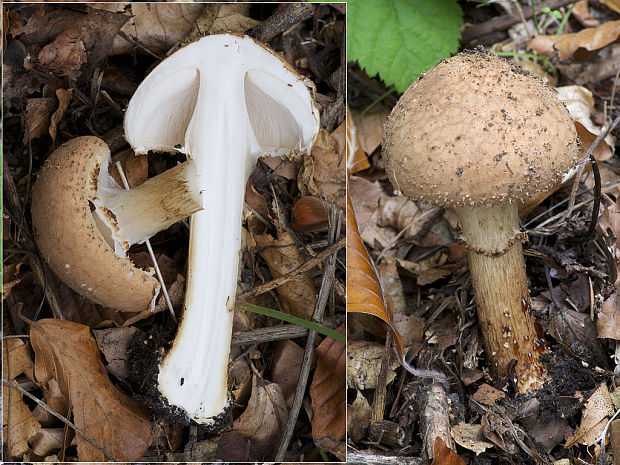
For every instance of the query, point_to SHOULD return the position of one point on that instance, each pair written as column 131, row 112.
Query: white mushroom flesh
column 224, row 101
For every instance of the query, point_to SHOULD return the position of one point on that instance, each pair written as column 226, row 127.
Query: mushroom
column 479, row 134
column 224, row 101
column 84, row 222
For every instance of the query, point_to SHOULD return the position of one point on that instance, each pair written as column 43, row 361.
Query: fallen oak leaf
column 309, row 215
column 329, row 397
column 66, row 351
column 357, row 160
column 297, row 296
column 596, row 413
column 365, row 292
column 443, row 455
column 65, row 55
column 18, row 422
column 265, row 417
column 581, row 45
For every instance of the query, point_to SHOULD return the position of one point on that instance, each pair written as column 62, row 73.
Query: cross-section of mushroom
column 225, row 101
column 84, row 222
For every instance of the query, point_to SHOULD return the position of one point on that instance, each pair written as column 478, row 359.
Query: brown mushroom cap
column 68, row 238
column 477, row 130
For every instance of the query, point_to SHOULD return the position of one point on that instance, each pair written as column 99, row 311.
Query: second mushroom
column 479, row 134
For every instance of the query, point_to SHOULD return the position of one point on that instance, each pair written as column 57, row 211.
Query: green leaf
column 399, row 39
column 319, row 328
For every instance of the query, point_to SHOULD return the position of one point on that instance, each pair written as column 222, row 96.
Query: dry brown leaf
column 608, row 318
column 297, row 296
column 370, row 128
column 309, row 215
column 157, row 26
column 287, row 358
column 580, row 104
column 613, row 4
column 64, row 97
column 79, row 40
column 264, row 419
column 232, row 18
column 38, row 112
column 114, row 344
column 443, row 455
column 356, row 158
column 581, row 11
column 582, row 45
column 604, row 68
column 322, row 173
column 47, row 440
column 328, row 392
column 66, row 351
column 470, row 437
column 488, row 395
column 365, row 198
column 135, row 167
column 364, row 290
column 358, row 418
column 364, row 363
column 18, row 423
column 65, row 55
column 596, row 413
column 409, row 326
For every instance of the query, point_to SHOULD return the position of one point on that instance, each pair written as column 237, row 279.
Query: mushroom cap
column 68, row 238
column 478, row 130
column 279, row 103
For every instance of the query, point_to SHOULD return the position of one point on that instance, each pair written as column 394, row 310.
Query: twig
column 597, row 199
column 356, row 457
column 137, row 43
column 306, row 266
column 608, row 186
column 282, row 20
column 378, row 407
column 67, row 422
column 580, row 167
column 278, row 333
column 319, row 309
column 505, row 21
column 550, row 286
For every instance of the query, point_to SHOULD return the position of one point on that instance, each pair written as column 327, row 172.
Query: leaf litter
column 71, row 71
column 573, row 282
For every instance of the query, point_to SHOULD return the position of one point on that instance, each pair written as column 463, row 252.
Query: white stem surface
column 223, row 159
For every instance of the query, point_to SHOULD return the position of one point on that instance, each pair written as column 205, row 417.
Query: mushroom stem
column 500, row 286
column 224, row 160
column 137, row 214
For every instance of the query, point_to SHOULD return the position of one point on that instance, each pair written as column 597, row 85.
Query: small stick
column 378, row 406
column 319, row 309
column 306, row 266
column 60, row 417
column 281, row 20
column 356, row 457
column 150, row 249
column 597, row 199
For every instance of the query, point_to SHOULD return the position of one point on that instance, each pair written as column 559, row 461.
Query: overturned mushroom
column 477, row 134
column 223, row 100
column 84, row 222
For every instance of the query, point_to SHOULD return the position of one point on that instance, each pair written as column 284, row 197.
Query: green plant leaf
column 319, row 328
column 399, row 39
